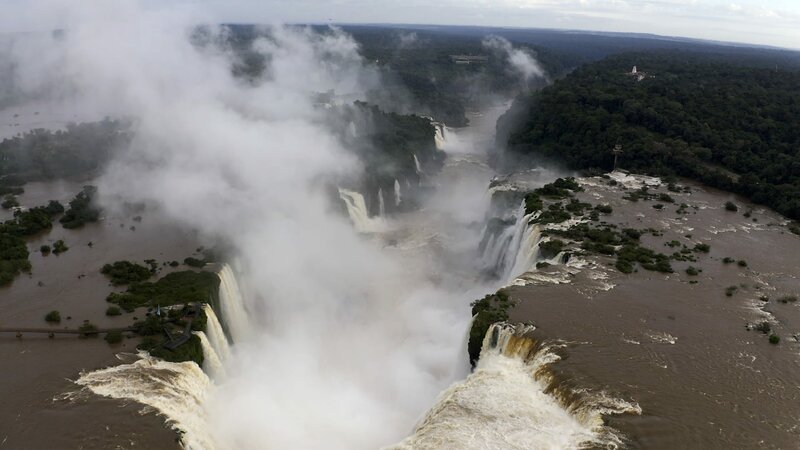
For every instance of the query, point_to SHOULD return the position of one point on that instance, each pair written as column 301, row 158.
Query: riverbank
column 678, row 344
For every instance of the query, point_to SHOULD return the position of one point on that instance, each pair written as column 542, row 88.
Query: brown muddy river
column 38, row 372
column 681, row 350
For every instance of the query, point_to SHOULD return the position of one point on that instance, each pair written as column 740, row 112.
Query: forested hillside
column 417, row 64
column 714, row 119
column 79, row 151
column 417, row 72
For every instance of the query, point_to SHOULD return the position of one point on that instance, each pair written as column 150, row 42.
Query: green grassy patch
column 174, row 288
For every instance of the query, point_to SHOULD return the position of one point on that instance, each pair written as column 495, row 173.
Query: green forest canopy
column 711, row 119
column 77, row 152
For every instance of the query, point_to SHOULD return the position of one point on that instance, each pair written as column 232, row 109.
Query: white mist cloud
column 349, row 346
column 407, row 40
column 519, row 59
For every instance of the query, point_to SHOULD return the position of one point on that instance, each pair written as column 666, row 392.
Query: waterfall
column 489, row 247
column 216, row 334
column 212, row 364
column 381, row 203
column 499, row 234
column 560, row 258
column 176, row 390
column 417, row 165
column 357, row 210
column 397, row 195
column 504, row 404
column 495, row 255
column 216, row 349
column 508, row 251
column 527, row 252
column 231, row 302
column 438, row 137
column 513, row 250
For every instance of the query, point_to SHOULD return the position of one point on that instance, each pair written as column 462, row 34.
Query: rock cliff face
column 398, row 152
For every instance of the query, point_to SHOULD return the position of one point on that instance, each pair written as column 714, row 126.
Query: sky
column 764, row 22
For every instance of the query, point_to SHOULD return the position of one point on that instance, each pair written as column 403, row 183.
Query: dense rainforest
column 417, row 67
column 78, row 152
column 417, row 72
column 715, row 119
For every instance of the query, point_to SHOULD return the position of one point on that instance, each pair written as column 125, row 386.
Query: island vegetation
column 556, row 203
column 175, row 321
column 174, row 288
column 53, row 317
column 81, row 209
column 486, row 311
column 59, row 247
column 13, row 258
column 126, row 272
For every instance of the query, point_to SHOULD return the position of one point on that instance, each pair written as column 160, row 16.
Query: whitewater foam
column 503, row 404
column 398, row 197
column 212, row 364
column 359, row 215
column 234, row 312
column 176, row 390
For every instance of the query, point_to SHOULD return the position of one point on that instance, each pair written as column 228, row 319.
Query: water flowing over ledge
column 216, row 349
column 179, row 390
column 232, row 305
column 512, row 400
column 359, row 215
column 176, row 390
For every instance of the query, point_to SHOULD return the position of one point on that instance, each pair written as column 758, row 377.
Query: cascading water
column 216, row 334
column 500, row 405
column 398, row 197
column 527, row 252
column 418, row 166
column 512, row 250
column 439, row 138
column 503, row 404
column 179, row 390
column 176, row 390
column 357, row 210
column 511, row 244
column 216, row 349
column 212, row 363
column 381, row 203
column 234, row 313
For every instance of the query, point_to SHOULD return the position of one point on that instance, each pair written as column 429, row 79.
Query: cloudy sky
column 769, row 22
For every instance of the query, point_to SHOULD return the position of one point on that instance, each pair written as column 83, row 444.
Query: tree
column 53, row 316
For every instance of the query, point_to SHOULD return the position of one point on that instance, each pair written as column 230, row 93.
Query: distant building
column 469, row 59
column 637, row 75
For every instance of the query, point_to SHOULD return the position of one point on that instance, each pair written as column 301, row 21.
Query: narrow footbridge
column 51, row 332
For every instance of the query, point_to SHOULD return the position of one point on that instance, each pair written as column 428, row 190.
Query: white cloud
column 774, row 22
